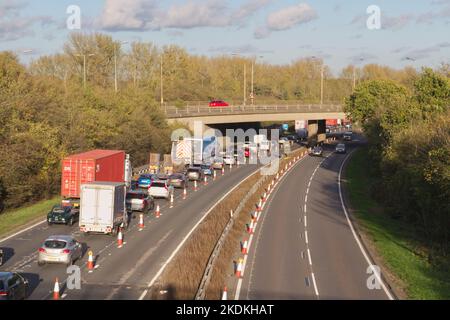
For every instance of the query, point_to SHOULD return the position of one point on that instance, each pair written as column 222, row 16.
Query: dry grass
column 182, row 277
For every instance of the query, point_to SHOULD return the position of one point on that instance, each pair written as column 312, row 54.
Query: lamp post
column 354, row 75
column 162, row 85
column 252, row 94
column 84, row 65
column 115, row 65
column 245, row 78
column 322, row 71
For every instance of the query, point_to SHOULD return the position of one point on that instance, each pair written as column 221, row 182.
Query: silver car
column 60, row 249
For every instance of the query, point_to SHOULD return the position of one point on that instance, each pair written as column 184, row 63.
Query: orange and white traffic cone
column 259, row 206
column 184, row 193
column 56, row 295
column 239, row 268
column 223, row 170
column 254, row 215
column 264, row 197
column 205, row 181
column 141, row 222
column 251, row 226
column 214, row 175
column 171, row 200
column 225, row 294
column 231, row 213
column 90, row 263
column 120, row 239
column 278, row 177
column 158, row 211
column 244, row 248
column 195, row 186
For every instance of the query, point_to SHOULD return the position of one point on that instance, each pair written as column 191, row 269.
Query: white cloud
column 285, row 19
column 291, row 16
column 141, row 15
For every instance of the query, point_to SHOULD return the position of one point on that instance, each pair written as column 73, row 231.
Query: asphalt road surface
column 121, row 273
column 304, row 247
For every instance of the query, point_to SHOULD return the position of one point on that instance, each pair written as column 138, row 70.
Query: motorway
column 305, row 247
column 121, row 273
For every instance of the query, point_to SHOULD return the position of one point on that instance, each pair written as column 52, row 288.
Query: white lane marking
column 306, row 199
column 306, row 222
column 355, row 236
column 306, row 236
column 163, row 267
column 240, row 281
column 22, row 231
column 304, row 208
column 309, row 257
column 315, row 285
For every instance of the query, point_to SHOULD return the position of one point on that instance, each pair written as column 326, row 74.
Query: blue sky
column 279, row 30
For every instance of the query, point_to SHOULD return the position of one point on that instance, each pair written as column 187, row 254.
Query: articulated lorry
column 96, row 165
column 103, row 207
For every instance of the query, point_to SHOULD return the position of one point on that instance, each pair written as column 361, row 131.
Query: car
column 348, row 136
column 63, row 215
column 145, row 180
column 13, row 286
column 178, row 180
column 194, row 173
column 229, row 160
column 218, row 103
column 317, row 151
column 207, row 169
column 139, row 201
column 161, row 176
column 160, row 189
column 340, row 148
column 60, row 249
column 217, row 164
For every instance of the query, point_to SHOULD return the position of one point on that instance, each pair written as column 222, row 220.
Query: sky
column 411, row 32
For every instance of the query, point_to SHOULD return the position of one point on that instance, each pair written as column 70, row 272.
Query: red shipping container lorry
column 96, row 165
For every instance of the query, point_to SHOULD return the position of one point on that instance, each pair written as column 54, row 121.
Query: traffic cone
column 90, row 264
column 141, row 222
column 269, row 187
column 244, row 248
column 251, row 226
column 214, row 175
column 278, row 177
column 158, row 212
column 264, row 197
column 205, row 181
column 184, row 193
column 231, row 213
column 231, row 166
column 223, row 170
column 254, row 215
column 239, row 268
column 259, row 206
column 171, row 200
column 120, row 239
column 195, row 186
column 225, row 294
column 56, row 295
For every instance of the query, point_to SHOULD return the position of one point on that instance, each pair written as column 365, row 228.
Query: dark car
column 317, row 151
column 13, row 286
column 139, row 201
column 178, row 180
column 63, row 215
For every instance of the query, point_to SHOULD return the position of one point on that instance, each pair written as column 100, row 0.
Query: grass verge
column 12, row 220
column 393, row 240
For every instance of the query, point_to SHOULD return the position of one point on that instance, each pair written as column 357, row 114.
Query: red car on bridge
column 218, row 103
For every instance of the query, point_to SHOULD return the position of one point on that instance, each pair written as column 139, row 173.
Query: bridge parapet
column 173, row 112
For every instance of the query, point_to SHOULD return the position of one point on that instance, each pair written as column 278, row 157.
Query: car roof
column 137, row 192
column 159, row 181
column 5, row 274
column 60, row 237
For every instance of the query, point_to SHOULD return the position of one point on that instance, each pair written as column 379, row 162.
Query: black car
column 13, row 286
column 63, row 215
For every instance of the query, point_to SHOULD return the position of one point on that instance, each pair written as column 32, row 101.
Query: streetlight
column 115, row 64
column 245, row 78
column 322, row 70
column 162, row 85
column 84, row 65
column 252, row 94
column 354, row 75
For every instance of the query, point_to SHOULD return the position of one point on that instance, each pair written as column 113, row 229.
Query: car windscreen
column 192, row 171
column 58, row 210
column 55, row 244
column 135, row 196
column 158, row 185
column 341, row 146
column 175, row 177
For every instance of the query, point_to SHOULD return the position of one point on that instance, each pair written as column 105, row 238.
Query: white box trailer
column 102, row 207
